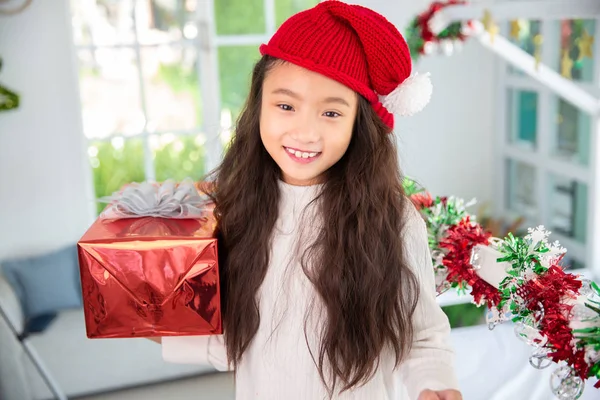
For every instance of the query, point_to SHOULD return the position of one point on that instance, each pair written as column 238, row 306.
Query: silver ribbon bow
column 146, row 199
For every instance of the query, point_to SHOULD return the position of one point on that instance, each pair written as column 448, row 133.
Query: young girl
column 328, row 286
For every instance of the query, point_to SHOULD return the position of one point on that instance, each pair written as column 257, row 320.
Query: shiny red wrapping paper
column 144, row 277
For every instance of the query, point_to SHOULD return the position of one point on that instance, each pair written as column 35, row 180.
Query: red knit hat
column 357, row 47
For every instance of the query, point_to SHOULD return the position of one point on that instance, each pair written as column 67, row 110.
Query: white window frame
column 207, row 42
column 542, row 160
column 503, row 150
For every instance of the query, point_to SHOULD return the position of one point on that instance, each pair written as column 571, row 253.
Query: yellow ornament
column 566, row 65
column 490, row 25
column 585, row 43
column 515, row 29
column 538, row 40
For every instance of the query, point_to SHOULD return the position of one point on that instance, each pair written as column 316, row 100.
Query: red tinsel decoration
column 551, row 287
column 545, row 294
column 555, row 326
column 550, row 290
column 422, row 200
column 423, row 19
column 459, row 241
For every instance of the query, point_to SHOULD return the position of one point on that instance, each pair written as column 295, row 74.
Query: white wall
column 448, row 146
column 44, row 178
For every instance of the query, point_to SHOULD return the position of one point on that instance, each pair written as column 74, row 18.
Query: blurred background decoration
column 8, row 99
column 12, row 7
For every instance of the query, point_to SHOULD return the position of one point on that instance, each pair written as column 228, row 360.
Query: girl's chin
column 301, row 180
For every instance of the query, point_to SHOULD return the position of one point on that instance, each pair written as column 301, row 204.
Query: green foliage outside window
column 119, row 162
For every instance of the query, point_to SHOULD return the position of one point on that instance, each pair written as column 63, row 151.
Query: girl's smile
column 300, row 156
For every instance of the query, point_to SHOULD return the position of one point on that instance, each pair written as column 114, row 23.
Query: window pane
column 102, row 22
column 236, row 17
column 115, row 163
column 520, row 190
column 574, row 128
column 110, row 93
column 235, row 70
column 160, row 21
column 572, row 263
column 178, row 156
column 575, row 37
column 286, row 8
column 568, row 200
column 171, row 87
column 522, row 118
column 527, row 31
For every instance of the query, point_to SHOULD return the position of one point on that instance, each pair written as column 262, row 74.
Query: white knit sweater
column 278, row 364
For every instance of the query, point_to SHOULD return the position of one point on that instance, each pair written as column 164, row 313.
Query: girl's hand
column 440, row 395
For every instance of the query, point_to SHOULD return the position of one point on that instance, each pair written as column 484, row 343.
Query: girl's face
column 306, row 121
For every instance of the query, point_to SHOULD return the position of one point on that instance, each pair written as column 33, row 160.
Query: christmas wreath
column 555, row 312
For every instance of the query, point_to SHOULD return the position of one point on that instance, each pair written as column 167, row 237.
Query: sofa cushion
column 83, row 366
column 46, row 284
column 10, row 305
column 40, row 323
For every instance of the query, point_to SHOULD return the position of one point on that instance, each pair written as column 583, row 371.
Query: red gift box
column 150, row 276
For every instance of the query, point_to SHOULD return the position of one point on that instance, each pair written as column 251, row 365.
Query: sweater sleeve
column 430, row 363
column 196, row 350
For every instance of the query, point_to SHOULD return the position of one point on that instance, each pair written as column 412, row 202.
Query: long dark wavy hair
column 366, row 290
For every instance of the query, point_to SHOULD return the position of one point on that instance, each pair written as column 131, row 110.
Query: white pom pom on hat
column 410, row 97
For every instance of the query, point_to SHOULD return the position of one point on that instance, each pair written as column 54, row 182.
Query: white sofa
column 79, row 365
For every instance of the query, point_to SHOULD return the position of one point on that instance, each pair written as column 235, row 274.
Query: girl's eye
column 285, row 107
column 331, row 114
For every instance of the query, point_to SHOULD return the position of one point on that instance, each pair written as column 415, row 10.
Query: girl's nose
column 306, row 131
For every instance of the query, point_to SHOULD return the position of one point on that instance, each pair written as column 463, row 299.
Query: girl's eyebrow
column 295, row 95
column 287, row 92
column 337, row 100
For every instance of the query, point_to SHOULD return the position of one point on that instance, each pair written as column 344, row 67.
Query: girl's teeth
column 300, row 154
